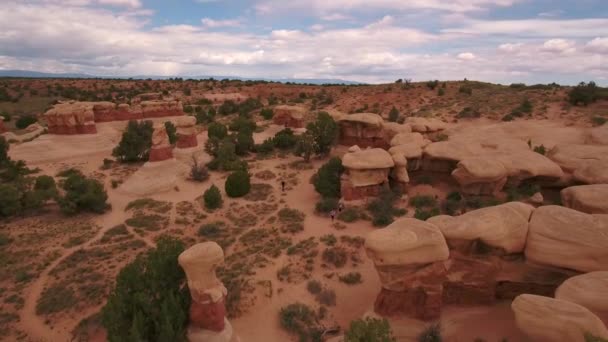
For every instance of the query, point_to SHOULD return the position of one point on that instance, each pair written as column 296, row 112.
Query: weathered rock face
column 470, row 281
column 2, row 128
column 364, row 130
column 572, row 157
column 186, row 132
column 156, row 109
column 366, row 172
column 480, row 175
column 519, row 277
column 592, row 172
column 589, row 290
column 590, row 199
column 503, row 227
column 392, row 129
column 412, row 153
column 425, row 125
column 567, row 238
column 480, row 166
column 289, row 116
column 207, row 310
column 409, row 255
column 546, row 319
column 71, row 118
column 108, row 111
column 161, row 149
column 599, row 135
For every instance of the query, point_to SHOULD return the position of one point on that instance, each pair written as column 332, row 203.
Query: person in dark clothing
column 332, row 214
column 283, row 185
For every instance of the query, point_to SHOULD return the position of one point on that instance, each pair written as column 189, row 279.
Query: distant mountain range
column 36, row 74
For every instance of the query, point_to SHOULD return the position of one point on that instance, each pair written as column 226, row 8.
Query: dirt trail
column 34, row 324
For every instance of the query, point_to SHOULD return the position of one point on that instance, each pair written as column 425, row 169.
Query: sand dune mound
column 154, row 177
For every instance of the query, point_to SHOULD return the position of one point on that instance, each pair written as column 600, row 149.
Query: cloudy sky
column 532, row 41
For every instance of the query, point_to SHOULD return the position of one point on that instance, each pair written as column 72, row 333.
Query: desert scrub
column 212, row 198
column 292, row 220
column 351, row 278
column 327, row 297
column 349, row 215
column 147, row 222
column 219, row 232
column 431, row 334
column 329, row 239
column 336, row 256
column 369, row 330
column 149, row 204
column 422, row 201
column 314, row 287
column 306, row 248
column 56, row 299
column 259, row 192
column 422, row 214
column 301, row 320
column 326, row 204
column 265, row 175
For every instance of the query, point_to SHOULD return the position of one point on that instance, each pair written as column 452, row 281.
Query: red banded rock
column 480, row 175
column 71, row 118
column 2, row 128
column 207, row 309
column 108, row 111
column 564, row 237
column 366, row 172
column 160, row 108
column 289, row 116
column 412, row 153
column 161, row 148
column 590, row 199
column 589, row 290
column 409, row 257
column 186, row 132
column 545, row 319
column 362, row 129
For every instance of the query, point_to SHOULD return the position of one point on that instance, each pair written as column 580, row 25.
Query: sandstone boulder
column 480, row 175
column 186, row 132
column 590, row 199
column 161, row 148
column 564, row 237
column 592, row 172
column 599, row 135
column 589, row 290
column 368, row 167
column 504, row 227
column 289, row 116
column 158, row 108
column 393, row 128
column 363, row 129
column 405, row 242
column 571, row 157
column 399, row 172
column 546, row 319
column 71, row 118
column 412, row 152
column 426, row 125
column 409, row 138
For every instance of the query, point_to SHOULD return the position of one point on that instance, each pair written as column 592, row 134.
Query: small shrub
column 327, row 179
column 329, row 239
column 171, row 132
column 198, row 172
column 422, row 201
column 351, row 278
column 267, row 113
column 508, row 117
column 326, row 204
column 369, row 330
column 217, row 130
column 424, row 215
column 441, row 91
column 83, row 194
column 314, row 287
column 540, row 149
column 465, row 90
column 285, row 139
column 336, row 256
column 135, row 143
column 238, row 184
column 431, row 334
column 393, row 115
column 327, row 297
column 349, row 215
column 598, row 120
column 468, row 113
column 292, row 220
column 25, row 121
column 300, row 319
column 212, row 198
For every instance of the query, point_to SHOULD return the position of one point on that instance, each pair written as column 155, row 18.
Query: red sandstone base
column 2, row 128
column 288, row 121
column 208, row 316
column 352, row 193
column 186, row 141
column 72, row 130
column 160, row 154
column 417, row 302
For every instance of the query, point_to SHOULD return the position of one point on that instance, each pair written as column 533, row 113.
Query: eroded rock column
column 161, row 148
column 208, row 321
column 409, row 256
column 186, row 133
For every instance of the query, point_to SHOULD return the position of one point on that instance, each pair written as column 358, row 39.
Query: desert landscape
column 209, row 210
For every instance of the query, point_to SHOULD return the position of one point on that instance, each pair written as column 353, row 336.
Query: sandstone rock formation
column 186, row 132
column 590, row 199
column 289, row 116
column 363, row 129
column 599, row 135
column 589, row 290
column 546, row 319
column 412, row 153
column 587, row 163
column 480, row 175
column 2, row 128
column 366, row 172
column 71, row 118
column 160, row 108
column 425, row 125
column 207, row 310
column 503, row 227
column 408, row 256
column 567, row 238
column 161, row 148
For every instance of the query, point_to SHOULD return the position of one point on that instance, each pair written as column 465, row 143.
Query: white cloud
column 335, row 17
column 533, row 28
column 127, row 3
column 509, row 47
column 317, row 27
column 211, row 23
column 558, row 46
column 598, row 45
column 466, row 56
column 551, row 14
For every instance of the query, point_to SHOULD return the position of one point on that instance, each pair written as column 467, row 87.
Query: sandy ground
column 260, row 322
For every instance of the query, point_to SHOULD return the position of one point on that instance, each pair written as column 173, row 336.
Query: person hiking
column 332, row 214
column 340, row 207
column 283, row 185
